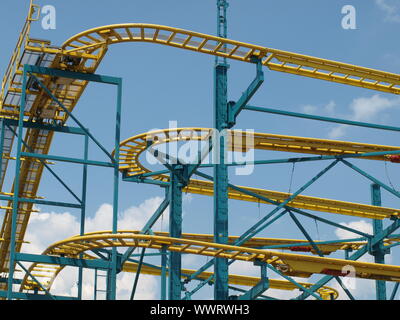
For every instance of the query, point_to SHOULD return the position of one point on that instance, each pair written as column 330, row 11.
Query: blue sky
column 165, row 84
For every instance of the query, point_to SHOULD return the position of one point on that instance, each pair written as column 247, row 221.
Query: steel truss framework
column 49, row 89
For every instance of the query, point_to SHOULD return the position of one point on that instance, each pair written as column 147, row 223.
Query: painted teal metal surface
column 234, row 109
column 16, row 188
column 175, row 231
column 111, row 263
column 84, row 263
column 221, row 291
column 321, row 118
column 164, row 266
column 378, row 249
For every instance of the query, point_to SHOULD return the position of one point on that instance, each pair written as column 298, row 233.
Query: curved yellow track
column 90, row 47
column 133, row 148
column 290, row 264
column 47, row 273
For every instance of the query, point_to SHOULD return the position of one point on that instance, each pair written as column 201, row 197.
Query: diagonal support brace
column 235, row 108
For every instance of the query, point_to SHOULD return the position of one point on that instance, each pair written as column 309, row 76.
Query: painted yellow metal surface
column 95, row 40
column 326, row 293
column 258, row 242
column 288, row 263
column 134, row 147
column 48, row 273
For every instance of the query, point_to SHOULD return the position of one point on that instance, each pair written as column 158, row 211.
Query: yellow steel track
column 47, row 273
column 84, row 53
column 133, row 148
column 289, row 264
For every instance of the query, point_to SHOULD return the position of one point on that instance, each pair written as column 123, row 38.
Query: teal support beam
column 49, row 93
column 302, row 288
column 321, row 118
column 221, row 182
column 35, row 280
column 222, row 24
column 15, row 281
column 117, row 140
column 150, row 223
column 45, row 126
column 175, row 231
column 371, row 178
column 95, row 284
column 256, row 291
column 139, row 269
column 164, row 262
column 221, row 290
column 66, row 159
column 318, row 251
column 112, row 263
column 84, row 263
column 394, row 292
column 235, row 108
column 2, row 131
column 260, row 287
column 378, row 249
column 83, row 211
column 16, row 189
column 43, row 162
column 157, row 214
column 30, row 296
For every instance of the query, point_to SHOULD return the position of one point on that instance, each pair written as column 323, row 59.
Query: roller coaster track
column 133, row 148
column 290, row 264
column 84, row 53
column 47, row 273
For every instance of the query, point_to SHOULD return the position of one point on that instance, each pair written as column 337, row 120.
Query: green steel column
column 95, row 285
column 175, row 231
column 379, row 253
column 114, row 262
column 16, row 189
column 83, row 211
column 221, row 182
column 164, row 262
column 1, row 144
column 221, row 289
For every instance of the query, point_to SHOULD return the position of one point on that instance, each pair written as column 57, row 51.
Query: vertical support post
column 175, row 231
column 163, row 274
column 114, row 261
column 16, row 189
column 1, row 145
column 221, row 182
column 221, row 290
column 378, row 250
column 95, row 285
column 222, row 22
column 83, row 211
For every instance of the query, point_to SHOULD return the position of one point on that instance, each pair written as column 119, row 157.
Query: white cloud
column 365, row 110
column 390, row 8
column 337, row 132
column 361, row 225
column 328, row 109
column 361, row 288
column 310, row 109
column 47, row 228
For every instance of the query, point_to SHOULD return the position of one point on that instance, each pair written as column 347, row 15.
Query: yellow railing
column 23, row 39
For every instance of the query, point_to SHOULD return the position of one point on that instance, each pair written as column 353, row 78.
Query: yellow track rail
column 290, row 264
column 325, row 292
column 132, row 148
column 47, row 272
column 95, row 40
